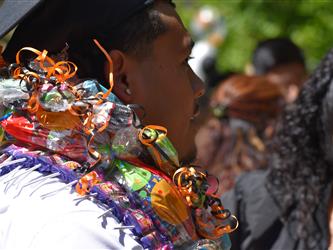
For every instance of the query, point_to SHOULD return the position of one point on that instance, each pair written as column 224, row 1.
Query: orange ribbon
column 148, row 141
column 87, row 182
column 108, row 58
column 183, row 179
column 62, row 71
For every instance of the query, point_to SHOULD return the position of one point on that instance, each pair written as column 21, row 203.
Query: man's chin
column 189, row 158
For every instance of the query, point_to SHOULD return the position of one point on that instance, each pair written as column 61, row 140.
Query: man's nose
column 199, row 87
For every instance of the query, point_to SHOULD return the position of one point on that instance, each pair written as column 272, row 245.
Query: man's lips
column 196, row 111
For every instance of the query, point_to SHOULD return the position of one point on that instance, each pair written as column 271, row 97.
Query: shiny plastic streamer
column 76, row 112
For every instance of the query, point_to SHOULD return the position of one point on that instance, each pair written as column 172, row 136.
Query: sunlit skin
column 163, row 83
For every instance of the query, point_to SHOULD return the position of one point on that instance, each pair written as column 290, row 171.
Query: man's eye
column 189, row 58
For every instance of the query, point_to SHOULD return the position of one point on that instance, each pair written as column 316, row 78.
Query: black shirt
column 261, row 225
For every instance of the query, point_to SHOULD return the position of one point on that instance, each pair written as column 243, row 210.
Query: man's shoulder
column 63, row 219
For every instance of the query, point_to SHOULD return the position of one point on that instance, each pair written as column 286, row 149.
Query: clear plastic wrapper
column 125, row 143
column 66, row 142
column 55, row 99
column 12, row 91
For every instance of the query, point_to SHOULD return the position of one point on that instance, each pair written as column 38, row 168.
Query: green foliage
column 309, row 23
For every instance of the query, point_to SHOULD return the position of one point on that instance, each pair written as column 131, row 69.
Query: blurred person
column 290, row 205
column 283, row 62
column 84, row 167
column 245, row 109
column 209, row 30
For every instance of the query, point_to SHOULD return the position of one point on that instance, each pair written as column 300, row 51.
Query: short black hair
column 275, row 52
column 46, row 29
column 134, row 36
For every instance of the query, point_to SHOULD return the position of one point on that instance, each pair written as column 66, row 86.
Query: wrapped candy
column 86, row 182
column 57, row 121
column 154, row 195
column 154, row 241
column 76, row 120
column 160, row 148
column 111, row 116
column 143, row 224
column 133, row 178
column 125, row 143
column 223, row 243
column 92, row 87
column 55, row 98
column 212, row 219
column 65, row 142
column 111, row 193
column 11, row 91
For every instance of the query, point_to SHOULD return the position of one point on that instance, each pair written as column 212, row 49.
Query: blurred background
column 308, row 23
column 254, row 56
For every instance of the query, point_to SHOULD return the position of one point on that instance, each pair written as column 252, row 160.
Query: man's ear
column 121, row 88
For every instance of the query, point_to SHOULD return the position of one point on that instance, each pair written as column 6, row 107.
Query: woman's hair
column 250, row 98
column 299, row 171
column 234, row 140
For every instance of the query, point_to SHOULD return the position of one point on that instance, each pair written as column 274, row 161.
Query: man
column 149, row 47
column 136, row 73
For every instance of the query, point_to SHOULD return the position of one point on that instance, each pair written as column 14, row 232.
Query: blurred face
column 290, row 77
column 166, row 87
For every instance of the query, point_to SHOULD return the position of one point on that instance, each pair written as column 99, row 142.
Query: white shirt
column 64, row 220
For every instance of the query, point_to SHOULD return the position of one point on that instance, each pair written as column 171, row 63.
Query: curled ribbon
column 62, row 70
column 85, row 184
column 192, row 185
column 56, row 74
column 148, row 135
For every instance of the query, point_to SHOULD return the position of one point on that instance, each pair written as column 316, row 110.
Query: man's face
column 166, row 86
